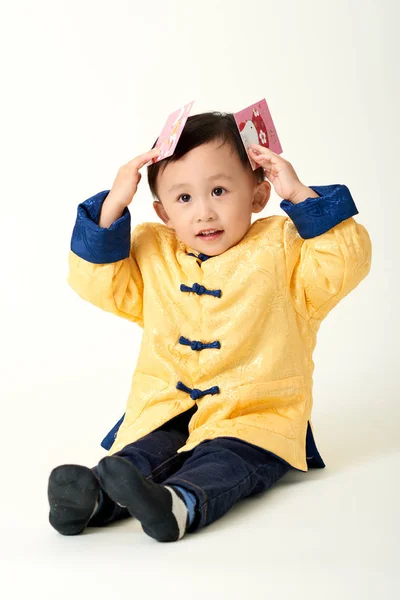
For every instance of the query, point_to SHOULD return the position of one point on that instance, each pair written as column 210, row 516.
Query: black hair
column 202, row 129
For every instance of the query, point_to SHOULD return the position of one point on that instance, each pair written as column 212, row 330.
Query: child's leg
column 222, row 471
column 213, row 477
column 74, row 491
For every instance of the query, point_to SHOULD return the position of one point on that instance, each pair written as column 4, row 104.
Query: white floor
column 88, row 86
column 327, row 534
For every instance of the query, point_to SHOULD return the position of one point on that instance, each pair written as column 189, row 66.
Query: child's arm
column 331, row 256
column 102, row 266
column 327, row 252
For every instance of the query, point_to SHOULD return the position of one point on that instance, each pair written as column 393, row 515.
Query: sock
column 99, row 504
column 189, row 499
column 73, row 491
column 161, row 511
column 179, row 510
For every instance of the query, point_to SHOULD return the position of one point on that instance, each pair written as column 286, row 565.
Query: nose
column 205, row 210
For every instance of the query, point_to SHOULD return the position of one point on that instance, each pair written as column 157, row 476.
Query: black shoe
column 149, row 502
column 72, row 492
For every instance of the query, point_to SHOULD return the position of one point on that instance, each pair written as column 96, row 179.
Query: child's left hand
column 281, row 174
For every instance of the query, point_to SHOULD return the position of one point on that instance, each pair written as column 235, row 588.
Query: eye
column 182, row 196
column 219, row 188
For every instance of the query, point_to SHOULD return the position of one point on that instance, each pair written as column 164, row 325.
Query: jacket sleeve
column 327, row 252
column 102, row 266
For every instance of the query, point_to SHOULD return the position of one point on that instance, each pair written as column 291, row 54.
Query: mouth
column 210, row 236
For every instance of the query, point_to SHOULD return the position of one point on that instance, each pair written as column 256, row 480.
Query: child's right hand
column 127, row 179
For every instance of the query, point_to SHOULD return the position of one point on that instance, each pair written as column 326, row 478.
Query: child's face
column 211, row 190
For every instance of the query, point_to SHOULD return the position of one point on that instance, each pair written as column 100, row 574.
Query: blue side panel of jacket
column 111, row 435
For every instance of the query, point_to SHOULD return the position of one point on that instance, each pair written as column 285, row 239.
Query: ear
column 161, row 213
column 261, row 195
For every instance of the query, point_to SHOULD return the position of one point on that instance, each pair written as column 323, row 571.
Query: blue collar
column 201, row 256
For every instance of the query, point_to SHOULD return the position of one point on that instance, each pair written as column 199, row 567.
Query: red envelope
column 171, row 132
column 256, row 127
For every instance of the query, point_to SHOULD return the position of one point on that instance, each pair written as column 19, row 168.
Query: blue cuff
column 315, row 216
column 97, row 244
column 111, row 435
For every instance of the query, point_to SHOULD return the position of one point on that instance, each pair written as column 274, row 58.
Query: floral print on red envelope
column 256, row 127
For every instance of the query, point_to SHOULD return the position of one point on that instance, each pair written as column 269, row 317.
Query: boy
column 221, row 397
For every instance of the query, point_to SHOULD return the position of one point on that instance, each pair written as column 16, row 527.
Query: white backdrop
column 86, row 86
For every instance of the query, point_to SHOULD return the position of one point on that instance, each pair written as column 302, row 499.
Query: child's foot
column 73, row 492
column 161, row 511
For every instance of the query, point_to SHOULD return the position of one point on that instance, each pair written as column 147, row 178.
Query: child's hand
column 127, row 179
column 281, row 174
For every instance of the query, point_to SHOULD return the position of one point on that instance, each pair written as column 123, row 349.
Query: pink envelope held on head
column 171, row 132
column 256, row 127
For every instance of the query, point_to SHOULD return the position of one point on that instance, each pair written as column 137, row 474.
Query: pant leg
column 221, row 471
column 155, row 455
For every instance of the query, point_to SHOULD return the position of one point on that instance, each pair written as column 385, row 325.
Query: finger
column 149, row 155
column 260, row 147
column 260, row 158
column 141, row 160
column 261, row 150
column 266, row 159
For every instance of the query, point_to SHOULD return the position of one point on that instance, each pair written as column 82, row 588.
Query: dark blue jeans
column 219, row 472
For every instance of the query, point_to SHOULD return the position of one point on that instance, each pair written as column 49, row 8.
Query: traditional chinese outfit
column 233, row 334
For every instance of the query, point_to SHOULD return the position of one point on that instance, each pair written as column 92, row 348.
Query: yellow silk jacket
column 233, row 333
